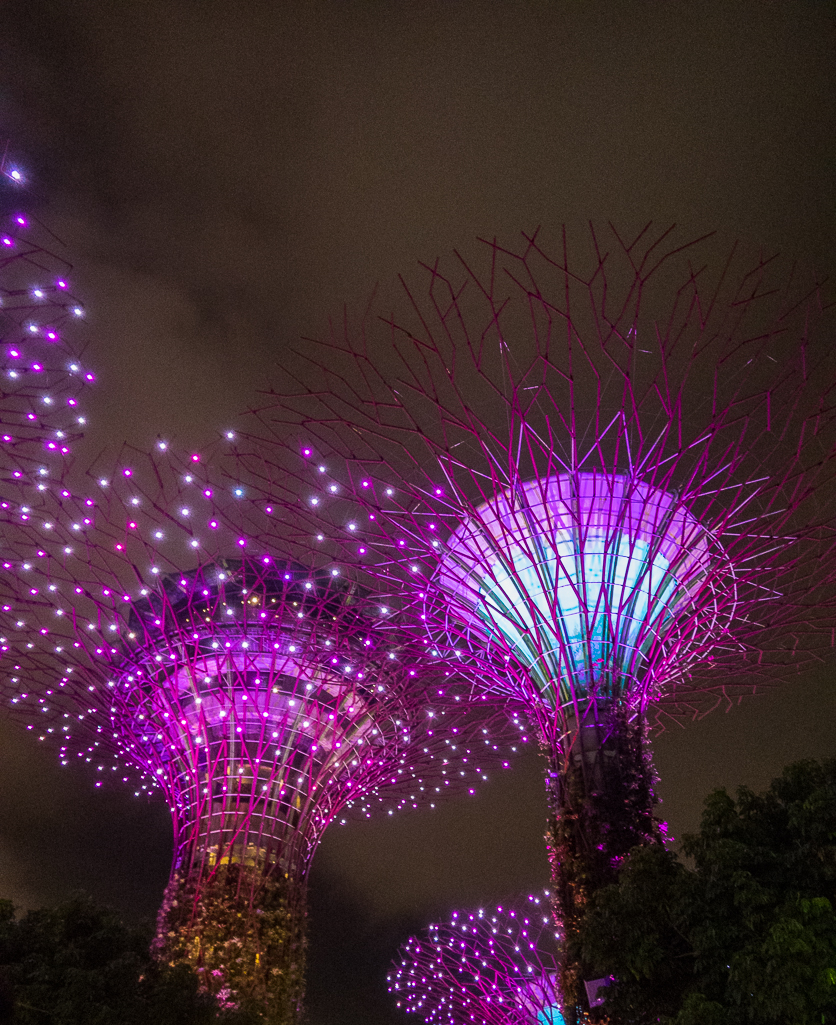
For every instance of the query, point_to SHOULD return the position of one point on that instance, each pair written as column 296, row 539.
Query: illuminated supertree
column 262, row 698
column 41, row 374
column 488, row 968
column 602, row 487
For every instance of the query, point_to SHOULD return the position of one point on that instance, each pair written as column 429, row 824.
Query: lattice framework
column 496, row 967
column 262, row 698
column 598, row 483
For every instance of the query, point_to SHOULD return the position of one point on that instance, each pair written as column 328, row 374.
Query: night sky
column 227, row 174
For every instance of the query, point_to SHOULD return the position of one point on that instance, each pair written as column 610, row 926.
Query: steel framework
column 262, row 698
column 600, row 486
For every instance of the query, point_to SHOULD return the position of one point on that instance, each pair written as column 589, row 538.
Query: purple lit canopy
column 494, row 967
column 590, row 580
column 605, row 473
column 263, row 698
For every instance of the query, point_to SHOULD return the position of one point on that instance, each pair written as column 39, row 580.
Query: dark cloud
column 230, row 173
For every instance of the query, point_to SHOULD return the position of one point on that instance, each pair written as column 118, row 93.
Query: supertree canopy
column 579, row 575
column 601, row 486
column 41, row 373
column 263, row 698
column 488, row 967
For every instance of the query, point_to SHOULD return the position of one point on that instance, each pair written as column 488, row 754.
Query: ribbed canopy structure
column 583, row 576
column 263, row 702
column 262, row 697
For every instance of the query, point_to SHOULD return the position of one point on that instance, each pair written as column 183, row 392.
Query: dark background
column 227, row 174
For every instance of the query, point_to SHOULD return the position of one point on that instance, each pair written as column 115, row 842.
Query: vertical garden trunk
column 244, row 932
column 601, row 805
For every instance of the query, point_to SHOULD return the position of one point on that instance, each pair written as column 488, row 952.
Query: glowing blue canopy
column 588, row 579
column 551, row 1016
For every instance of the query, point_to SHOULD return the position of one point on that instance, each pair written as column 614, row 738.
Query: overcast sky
column 227, row 174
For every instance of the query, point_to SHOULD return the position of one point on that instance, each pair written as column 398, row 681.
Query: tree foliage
column 77, row 964
column 743, row 932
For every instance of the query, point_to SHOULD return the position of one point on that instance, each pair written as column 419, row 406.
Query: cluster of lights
column 40, row 372
column 568, row 532
column 495, row 967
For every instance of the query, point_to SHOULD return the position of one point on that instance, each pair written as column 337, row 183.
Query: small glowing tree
column 492, row 967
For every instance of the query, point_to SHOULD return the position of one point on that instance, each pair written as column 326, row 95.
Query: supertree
column 488, row 967
column 601, row 486
column 264, row 699
column 40, row 362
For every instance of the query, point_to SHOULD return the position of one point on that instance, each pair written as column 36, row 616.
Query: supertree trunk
column 601, row 804
column 243, row 930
